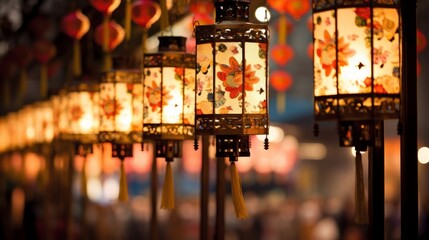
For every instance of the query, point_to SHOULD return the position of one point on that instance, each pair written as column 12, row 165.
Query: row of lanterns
column 221, row 91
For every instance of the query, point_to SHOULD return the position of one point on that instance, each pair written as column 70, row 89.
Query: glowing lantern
column 105, row 6
column 169, row 101
column 75, row 25
column 232, row 85
column 282, row 54
column 145, row 12
column 357, row 73
column 115, row 36
column 121, row 112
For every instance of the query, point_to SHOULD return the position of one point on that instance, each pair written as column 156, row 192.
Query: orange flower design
column 76, row 112
column 232, row 77
column 326, row 52
column 110, row 107
column 153, row 95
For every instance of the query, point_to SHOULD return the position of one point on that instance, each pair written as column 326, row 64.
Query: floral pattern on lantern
column 342, row 62
column 121, row 109
column 169, row 91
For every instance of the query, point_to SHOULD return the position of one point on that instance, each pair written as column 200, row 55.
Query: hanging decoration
column 76, row 25
column 44, row 51
column 115, row 37
column 144, row 13
column 169, row 103
column 281, row 81
column 232, row 85
column 106, row 7
column 421, row 45
column 357, row 74
column 22, row 56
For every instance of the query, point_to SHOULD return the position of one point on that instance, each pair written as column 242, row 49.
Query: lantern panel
column 189, row 97
column 356, row 60
column 231, row 79
column 120, row 106
column 60, row 115
column 83, row 113
column 152, row 95
column 43, row 118
column 204, row 75
column 325, row 82
column 172, row 95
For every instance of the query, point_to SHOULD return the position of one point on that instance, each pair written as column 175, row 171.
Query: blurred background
column 301, row 188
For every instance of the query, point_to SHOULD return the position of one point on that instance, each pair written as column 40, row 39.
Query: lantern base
column 232, row 146
column 122, row 151
column 359, row 134
column 168, row 149
column 83, row 149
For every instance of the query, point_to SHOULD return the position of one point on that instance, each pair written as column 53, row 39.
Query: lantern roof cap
column 172, row 44
column 232, row 10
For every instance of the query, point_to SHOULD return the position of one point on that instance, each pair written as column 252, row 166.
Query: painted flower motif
column 153, row 95
column 204, row 107
column 326, row 52
column 262, row 50
column 178, row 73
column 363, row 13
column 380, row 56
column 110, row 106
column 219, row 97
column 76, row 112
column 232, row 77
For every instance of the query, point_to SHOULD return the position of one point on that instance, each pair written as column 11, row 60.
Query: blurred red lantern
column 116, row 35
column 44, row 50
column 202, row 7
column 7, row 67
column 203, row 19
column 22, row 55
column 75, row 24
column 297, row 8
column 281, row 80
column 145, row 12
column 282, row 54
column 279, row 6
column 105, row 6
column 421, row 41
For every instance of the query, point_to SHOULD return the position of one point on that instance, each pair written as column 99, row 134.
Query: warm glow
column 423, row 155
column 353, row 151
column 172, row 112
column 192, row 160
column 32, row 166
column 276, row 134
column 312, row 151
column 262, row 14
column 111, row 189
column 94, row 189
column 86, row 123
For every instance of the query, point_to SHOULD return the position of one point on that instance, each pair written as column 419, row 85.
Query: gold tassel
column 282, row 29
column 44, row 81
column 77, row 67
column 167, row 200
column 123, row 187
column 107, row 61
column 361, row 212
column 237, row 194
column 83, row 188
column 164, row 22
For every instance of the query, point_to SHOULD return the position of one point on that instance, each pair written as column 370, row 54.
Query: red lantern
column 282, row 54
column 297, row 8
column 116, row 35
column 44, row 50
column 75, row 24
column 105, row 6
column 279, row 6
column 145, row 12
column 281, row 80
column 421, row 41
column 205, row 7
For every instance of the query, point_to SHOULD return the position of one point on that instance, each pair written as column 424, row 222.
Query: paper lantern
column 145, row 12
column 282, row 54
column 169, row 103
column 357, row 56
column 115, row 37
column 105, row 6
column 232, row 84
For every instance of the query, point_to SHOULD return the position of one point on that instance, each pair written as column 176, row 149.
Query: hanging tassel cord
column 44, row 81
column 77, row 66
column 123, row 187
column 361, row 211
column 237, row 193
column 167, row 200
column 83, row 188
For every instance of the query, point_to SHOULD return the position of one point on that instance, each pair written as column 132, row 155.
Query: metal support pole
column 153, row 200
column 376, row 183
column 204, row 195
column 220, row 199
column 409, row 170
